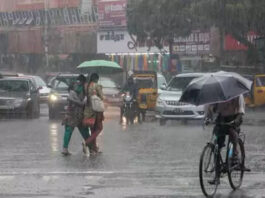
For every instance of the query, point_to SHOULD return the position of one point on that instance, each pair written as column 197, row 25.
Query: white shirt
column 229, row 108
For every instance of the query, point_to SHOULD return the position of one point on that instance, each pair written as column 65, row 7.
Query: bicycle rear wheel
column 207, row 170
column 236, row 171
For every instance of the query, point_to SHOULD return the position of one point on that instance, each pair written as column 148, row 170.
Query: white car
column 168, row 106
column 44, row 90
column 161, row 82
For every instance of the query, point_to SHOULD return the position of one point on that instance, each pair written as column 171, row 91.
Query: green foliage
column 159, row 20
column 234, row 17
column 257, row 16
column 164, row 20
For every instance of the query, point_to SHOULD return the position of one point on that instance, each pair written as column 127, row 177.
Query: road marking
column 6, row 178
column 55, row 173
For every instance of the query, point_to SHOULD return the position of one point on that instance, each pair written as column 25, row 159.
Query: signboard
column 56, row 16
column 197, row 43
column 23, row 5
column 112, row 13
column 120, row 42
column 232, row 44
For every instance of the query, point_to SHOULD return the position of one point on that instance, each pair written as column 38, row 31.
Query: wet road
column 139, row 161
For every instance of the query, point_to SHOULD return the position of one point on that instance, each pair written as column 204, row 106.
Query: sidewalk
column 254, row 116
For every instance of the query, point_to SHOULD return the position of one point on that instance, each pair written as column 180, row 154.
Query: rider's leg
column 121, row 113
column 143, row 115
column 233, row 134
column 221, row 144
column 220, row 138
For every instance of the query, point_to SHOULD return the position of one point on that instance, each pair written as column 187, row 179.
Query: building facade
column 33, row 32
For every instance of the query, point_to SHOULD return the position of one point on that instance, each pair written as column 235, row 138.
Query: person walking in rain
column 74, row 114
column 94, row 88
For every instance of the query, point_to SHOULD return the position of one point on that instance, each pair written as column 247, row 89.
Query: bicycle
column 208, row 164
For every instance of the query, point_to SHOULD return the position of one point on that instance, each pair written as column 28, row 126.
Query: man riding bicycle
column 230, row 112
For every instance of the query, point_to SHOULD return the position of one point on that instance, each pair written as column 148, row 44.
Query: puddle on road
column 53, row 134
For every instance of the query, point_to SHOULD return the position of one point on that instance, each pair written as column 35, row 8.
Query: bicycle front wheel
column 207, row 170
column 236, row 170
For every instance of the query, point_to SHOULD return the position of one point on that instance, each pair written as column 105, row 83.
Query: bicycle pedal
column 246, row 169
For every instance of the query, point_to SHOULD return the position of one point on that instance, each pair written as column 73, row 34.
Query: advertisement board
column 231, row 44
column 24, row 5
column 120, row 42
column 197, row 43
column 112, row 13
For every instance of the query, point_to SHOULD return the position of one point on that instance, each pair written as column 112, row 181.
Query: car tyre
column 162, row 122
column 37, row 112
column 30, row 111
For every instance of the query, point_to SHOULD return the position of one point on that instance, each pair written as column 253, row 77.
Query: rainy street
column 137, row 161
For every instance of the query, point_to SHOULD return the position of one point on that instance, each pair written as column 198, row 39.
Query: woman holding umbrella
column 93, row 88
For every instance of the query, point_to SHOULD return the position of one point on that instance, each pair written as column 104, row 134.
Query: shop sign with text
column 112, row 13
column 196, row 43
column 121, row 42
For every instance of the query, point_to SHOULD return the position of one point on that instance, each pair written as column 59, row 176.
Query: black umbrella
column 215, row 88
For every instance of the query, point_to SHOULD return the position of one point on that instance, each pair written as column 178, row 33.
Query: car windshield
column 62, row 84
column 179, row 83
column 260, row 81
column 107, row 83
column 39, row 81
column 14, row 86
column 145, row 82
column 160, row 81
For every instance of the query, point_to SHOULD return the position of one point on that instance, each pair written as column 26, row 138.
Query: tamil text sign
column 196, row 43
column 112, row 13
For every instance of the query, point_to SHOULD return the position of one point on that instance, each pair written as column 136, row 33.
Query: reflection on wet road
column 137, row 161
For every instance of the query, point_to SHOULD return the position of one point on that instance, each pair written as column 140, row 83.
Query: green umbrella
column 100, row 66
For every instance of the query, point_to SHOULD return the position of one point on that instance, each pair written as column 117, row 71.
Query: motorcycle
column 129, row 108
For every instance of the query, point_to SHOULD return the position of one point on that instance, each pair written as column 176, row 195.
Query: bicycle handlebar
column 226, row 123
column 207, row 122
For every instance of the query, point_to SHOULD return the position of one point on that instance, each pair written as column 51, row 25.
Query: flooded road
column 137, row 161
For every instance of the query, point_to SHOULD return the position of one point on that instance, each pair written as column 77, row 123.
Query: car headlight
column 18, row 102
column 159, row 102
column 53, row 97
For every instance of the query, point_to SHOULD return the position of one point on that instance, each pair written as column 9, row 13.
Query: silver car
column 168, row 106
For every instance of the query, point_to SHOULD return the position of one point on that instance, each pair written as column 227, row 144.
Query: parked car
column 57, row 100
column 111, row 91
column 168, row 106
column 19, row 95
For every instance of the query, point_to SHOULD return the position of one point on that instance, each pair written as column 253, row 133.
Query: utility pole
column 46, row 37
column 222, row 31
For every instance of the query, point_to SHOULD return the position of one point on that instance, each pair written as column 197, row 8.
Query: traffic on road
column 132, row 98
column 137, row 155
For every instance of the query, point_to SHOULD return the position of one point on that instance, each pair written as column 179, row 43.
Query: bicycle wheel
column 236, row 171
column 207, row 170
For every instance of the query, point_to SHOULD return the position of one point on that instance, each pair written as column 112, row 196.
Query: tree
column 257, row 16
column 159, row 20
column 229, row 16
column 234, row 17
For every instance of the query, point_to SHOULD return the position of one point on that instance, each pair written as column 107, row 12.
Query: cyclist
column 231, row 111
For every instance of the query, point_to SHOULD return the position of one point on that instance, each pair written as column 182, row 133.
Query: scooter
column 129, row 108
